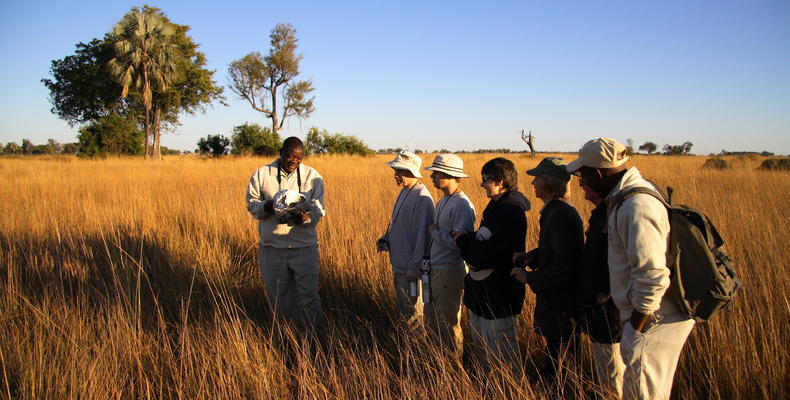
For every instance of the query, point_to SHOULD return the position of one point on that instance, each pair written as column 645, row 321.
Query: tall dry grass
column 128, row 279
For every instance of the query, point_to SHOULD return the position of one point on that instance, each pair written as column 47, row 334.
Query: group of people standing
column 608, row 282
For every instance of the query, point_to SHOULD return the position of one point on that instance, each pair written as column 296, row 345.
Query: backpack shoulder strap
column 618, row 200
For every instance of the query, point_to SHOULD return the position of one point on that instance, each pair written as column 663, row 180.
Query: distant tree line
column 668, row 149
column 252, row 139
column 746, row 153
column 81, row 149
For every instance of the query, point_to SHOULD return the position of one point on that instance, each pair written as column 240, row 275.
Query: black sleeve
column 508, row 233
column 565, row 246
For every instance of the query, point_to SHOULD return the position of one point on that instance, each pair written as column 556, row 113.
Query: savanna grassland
column 121, row 278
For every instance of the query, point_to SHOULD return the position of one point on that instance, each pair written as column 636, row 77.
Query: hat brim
column 480, row 274
column 454, row 174
column 574, row 165
column 534, row 172
column 400, row 165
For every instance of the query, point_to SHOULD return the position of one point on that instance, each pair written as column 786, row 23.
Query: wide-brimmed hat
column 554, row 166
column 408, row 161
column 450, row 164
column 480, row 274
column 600, row 153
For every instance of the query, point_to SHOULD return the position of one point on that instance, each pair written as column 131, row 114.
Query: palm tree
column 145, row 56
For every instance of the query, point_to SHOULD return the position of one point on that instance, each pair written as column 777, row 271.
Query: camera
column 425, row 277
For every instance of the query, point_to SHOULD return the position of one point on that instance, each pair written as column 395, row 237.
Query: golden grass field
column 121, row 278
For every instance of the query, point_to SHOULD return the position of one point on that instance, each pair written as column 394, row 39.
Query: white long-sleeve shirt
column 408, row 231
column 453, row 213
column 264, row 185
column 638, row 236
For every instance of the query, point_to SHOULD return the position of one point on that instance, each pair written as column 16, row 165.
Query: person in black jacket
column 493, row 298
column 554, row 275
column 600, row 318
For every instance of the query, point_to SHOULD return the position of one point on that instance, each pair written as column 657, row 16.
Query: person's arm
column 497, row 252
column 643, row 224
column 317, row 210
column 257, row 204
column 564, row 237
column 422, row 217
column 463, row 220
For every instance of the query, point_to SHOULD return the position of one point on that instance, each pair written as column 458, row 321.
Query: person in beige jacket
column 655, row 329
column 288, row 247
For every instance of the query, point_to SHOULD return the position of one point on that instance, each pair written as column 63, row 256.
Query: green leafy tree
column 71, row 148
column 54, row 146
column 81, row 89
column 677, row 150
column 145, row 56
column 110, row 135
column 322, row 142
column 251, row 138
column 12, row 148
column 27, row 146
column 269, row 83
column 213, row 145
column 649, row 147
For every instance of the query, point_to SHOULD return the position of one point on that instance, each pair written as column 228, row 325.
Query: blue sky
column 460, row 75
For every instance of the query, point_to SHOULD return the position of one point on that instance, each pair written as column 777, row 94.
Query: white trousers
column 497, row 336
column 291, row 280
column 651, row 357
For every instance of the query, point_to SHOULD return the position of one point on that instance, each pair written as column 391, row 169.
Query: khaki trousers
column 291, row 280
column 409, row 307
column 443, row 312
column 497, row 336
column 609, row 368
column 651, row 357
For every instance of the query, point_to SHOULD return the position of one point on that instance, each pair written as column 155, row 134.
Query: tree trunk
column 157, row 149
column 147, row 123
column 273, row 116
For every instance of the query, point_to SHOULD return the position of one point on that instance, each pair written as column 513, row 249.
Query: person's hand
column 299, row 217
column 268, row 206
column 523, row 259
column 456, row 234
column 431, row 228
column 519, row 274
column 381, row 245
column 639, row 320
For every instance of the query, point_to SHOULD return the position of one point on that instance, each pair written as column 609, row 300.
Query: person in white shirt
column 288, row 247
column 454, row 212
column 655, row 329
column 406, row 238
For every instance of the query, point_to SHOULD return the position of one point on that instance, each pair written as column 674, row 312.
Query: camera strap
column 438, row 217
column 396, row 212
column 281, row 171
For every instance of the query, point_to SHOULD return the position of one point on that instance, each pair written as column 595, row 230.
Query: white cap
column 599, row 153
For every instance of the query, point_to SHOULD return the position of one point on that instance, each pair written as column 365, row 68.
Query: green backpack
column 702, row 281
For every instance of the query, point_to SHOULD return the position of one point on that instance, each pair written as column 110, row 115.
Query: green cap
column 554, row 166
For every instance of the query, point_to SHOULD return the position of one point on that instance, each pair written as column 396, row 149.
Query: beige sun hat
column 600, row 153
column 408, row 161
column 450, row 164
